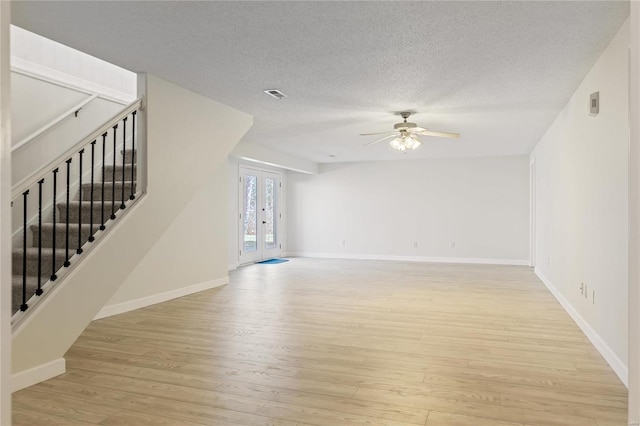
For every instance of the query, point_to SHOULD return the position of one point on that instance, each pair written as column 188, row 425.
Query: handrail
column 32, row 178
column 52, row 123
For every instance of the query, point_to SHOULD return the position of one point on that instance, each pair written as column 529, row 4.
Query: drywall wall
column 380, row 209
column 194, row 244
column 581, row 209
column 35, row 103
column 188, row 138
column 5, row 217
column 34, row 54
column 634, row 216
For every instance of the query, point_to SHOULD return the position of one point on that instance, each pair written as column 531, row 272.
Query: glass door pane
column 250, row 213
column 270, row 213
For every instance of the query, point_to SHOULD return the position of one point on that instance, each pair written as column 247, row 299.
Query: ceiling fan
column 404, row 136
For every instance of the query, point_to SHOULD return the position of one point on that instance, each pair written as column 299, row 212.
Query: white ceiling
column 497, row 72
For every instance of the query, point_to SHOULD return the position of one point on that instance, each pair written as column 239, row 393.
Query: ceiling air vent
column 275, row 93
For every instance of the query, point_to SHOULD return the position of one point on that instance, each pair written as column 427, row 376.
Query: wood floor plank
column 55, row 404
column 437, row 418
column 338, row 342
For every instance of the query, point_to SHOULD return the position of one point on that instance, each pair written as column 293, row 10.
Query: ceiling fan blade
column 438, row 134
column 381, row 139
column 377, row 133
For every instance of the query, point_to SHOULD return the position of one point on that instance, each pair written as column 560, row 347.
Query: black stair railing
column 78, row 212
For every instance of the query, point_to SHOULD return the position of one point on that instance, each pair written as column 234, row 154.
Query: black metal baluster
column 91, row 237
column 133, row 153
column 79, row 249
column 124, row 151
column 24, row 305
column 66, row 249
column 113, row 176
column 104, row 144
column 39, row 290
column 53, row 262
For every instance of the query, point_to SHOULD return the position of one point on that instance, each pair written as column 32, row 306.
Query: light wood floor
column 332, row 342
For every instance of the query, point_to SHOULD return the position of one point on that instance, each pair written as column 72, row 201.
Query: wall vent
column 275, row 93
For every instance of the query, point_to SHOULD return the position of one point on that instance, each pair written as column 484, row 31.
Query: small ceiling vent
column 275, row 93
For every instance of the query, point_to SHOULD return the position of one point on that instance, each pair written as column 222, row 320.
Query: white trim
column 38, row 374
column 485, row 261
column 233, row 266
column 609, row 355
column 142, row 302
column 532, row 212
column 62, row 79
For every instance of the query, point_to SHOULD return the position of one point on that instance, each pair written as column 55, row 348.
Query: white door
column 259, row 215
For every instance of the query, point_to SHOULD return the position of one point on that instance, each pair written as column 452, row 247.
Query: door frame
column 260, row 255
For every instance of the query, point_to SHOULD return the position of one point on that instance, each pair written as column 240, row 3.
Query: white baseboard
column 233, row 266
column 518, row 262
column 38, row 374
column 142, row 302
column 609, row 355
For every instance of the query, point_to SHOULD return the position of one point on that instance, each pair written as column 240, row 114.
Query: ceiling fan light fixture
column 405, row 143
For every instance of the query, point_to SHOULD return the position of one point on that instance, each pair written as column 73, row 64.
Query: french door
column 259, row 215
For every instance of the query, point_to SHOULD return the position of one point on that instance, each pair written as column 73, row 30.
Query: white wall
column 35, row 103
column 379, row 209
column 634, row 211
column 191, row 245
column 582, row 204
column 33, row 53
column 5, row 217
column 50, row 79
column 188, row 138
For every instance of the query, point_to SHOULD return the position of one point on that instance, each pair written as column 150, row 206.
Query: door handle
column 264, row 222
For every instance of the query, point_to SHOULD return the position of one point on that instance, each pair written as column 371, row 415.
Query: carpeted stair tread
column 16, row 290
column 74, row 211
column 61, row 231
column 32, row 260
column 120, row 170
column 128, row 154
column 110, row 190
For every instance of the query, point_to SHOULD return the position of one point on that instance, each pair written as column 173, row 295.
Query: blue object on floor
column 274, row 261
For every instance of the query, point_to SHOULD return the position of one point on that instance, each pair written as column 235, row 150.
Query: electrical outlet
column 415, row 244
column 452, row 244
column 343, row 243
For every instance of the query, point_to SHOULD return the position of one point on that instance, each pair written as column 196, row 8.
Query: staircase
column 84, row 221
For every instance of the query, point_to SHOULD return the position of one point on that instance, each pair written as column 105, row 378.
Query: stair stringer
column 189, row 137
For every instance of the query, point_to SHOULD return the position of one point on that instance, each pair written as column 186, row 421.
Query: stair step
column 16, row 290
column 74, row 211
column 109, row 188
column 61, row 231
column 128, row 155
column 120, row 171
column 32, row 260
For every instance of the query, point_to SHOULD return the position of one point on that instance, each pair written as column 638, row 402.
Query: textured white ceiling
column 497, row 72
